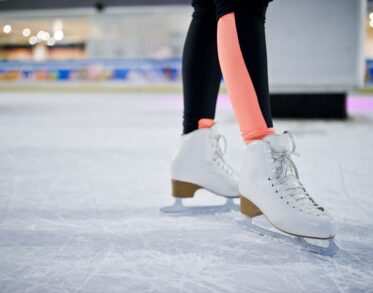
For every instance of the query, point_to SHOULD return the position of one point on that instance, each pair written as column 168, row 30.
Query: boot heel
column 248, row 208
column 181, row 189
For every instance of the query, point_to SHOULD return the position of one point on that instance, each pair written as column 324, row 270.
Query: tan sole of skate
column 251, row 210
column 181, row 189
column 248, row 208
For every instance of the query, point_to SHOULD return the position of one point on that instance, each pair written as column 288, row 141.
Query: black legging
column 201, row 69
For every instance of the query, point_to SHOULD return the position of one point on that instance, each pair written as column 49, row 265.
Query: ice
column 83, row 176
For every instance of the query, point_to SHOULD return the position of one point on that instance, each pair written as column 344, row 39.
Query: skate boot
column 269, row 184
column 199, row 164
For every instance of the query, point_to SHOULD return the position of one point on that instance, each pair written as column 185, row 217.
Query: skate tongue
column 280, row 143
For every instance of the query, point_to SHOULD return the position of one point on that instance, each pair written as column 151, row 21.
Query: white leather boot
column 199, row 163
column 269, row 184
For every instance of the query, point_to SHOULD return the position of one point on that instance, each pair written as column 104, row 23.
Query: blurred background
column 322, row 48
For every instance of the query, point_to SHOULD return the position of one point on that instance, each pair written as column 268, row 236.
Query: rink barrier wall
column 309, row 105
column 153, row 75
column 125, row 70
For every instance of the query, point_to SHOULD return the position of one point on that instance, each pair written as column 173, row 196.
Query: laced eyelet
column 269, row 179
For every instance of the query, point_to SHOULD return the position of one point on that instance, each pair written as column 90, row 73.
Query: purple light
column 359, row 104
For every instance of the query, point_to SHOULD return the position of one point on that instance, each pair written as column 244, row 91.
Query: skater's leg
column 199, row 161
column 269, row 181
column 201, row 69
column 243, row 60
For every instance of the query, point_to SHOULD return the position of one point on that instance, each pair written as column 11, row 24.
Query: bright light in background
column 51, row 42
column 371, row 19
column 26, row 32
column 7, row 28
column 46, row 36
column 58, row 35
column 42, row 35
column 33, row 40
column 57, row 25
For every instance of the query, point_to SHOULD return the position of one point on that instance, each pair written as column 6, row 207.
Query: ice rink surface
column 82, row 178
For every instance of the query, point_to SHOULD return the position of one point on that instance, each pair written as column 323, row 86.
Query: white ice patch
column 82, row 178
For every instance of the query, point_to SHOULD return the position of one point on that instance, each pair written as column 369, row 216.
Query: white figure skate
column 199, row 164
column 269, row 185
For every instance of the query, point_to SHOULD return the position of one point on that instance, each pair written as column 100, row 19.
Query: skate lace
column 287, row 182
column 218, row 153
